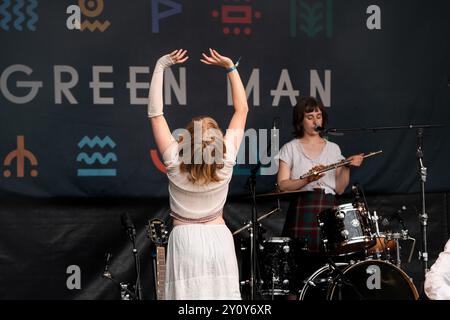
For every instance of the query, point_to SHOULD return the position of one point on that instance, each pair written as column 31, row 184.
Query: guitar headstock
column 157, row 232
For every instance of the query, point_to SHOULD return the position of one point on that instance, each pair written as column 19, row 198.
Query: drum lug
column 340, row 215
column 345, row 233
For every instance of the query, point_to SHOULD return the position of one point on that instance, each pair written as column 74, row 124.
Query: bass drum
column 365, row 280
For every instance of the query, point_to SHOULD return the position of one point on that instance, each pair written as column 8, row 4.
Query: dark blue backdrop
column 73, row 119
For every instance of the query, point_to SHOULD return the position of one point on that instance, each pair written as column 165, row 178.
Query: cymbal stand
column 423, row 216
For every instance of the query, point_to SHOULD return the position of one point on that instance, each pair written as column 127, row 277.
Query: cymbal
column 277, row 193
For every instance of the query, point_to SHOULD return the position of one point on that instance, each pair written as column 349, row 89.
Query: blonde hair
column 204, row 142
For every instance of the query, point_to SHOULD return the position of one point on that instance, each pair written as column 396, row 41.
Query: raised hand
column 216, row 59
column 178, row 56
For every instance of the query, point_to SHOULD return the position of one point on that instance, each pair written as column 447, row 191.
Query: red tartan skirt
column 301, row 217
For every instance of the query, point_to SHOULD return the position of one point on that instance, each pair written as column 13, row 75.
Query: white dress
column 201, row 263
column 437, row 280
column 201, row 258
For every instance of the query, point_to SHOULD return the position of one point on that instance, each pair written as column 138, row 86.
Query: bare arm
column 236, row 126
column 343, row 173
column 160, row 128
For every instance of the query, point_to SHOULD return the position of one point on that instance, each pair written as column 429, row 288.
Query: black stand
column 131, row 232
column 125, row 293
column 423, row 216
column 253, row 229
column 138, row 288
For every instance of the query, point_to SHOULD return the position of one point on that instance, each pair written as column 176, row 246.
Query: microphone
column 318, row 128
column 128, row 224
column 106, row 272
column 334, row 132
column 396, row 216
column 274, row 131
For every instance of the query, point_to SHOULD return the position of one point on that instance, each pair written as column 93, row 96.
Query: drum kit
column 357, row 261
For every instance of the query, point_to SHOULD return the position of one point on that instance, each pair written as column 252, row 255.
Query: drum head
column 372, row 280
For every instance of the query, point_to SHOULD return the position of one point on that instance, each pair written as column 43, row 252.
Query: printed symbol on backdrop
column 20, row 154
column 311, row 18
column 157, row 15
column 96, row 161
column 18, row 14
column 156, row 161
column 237, row 18
column 374, row 280
column 91, row 9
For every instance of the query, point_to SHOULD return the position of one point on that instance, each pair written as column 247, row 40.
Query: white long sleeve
column 437, row 279
column 155, row 103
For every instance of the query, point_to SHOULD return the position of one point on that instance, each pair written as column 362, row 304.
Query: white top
column 437, row 280
column 192, row 201
column 298, row 161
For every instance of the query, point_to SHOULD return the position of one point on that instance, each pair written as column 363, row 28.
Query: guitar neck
column 160, row 272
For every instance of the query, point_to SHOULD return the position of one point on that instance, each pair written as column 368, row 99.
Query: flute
column 335, row 165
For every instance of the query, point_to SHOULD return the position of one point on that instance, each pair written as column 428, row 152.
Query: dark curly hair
column 306, row 105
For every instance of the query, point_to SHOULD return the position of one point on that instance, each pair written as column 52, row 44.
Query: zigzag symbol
column 20, row 15
column 96, row 141
column 83, row 157
column 95, row 25
column 7, row 16
column 31, row 24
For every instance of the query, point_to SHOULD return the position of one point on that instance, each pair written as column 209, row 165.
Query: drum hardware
column 341, row 279
column 253, row 282
column 248, row 224
column 385, row 240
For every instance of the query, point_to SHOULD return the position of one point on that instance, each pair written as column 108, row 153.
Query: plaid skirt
column 301, row 218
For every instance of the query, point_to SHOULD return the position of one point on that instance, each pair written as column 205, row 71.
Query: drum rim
column 332, row 288
column 368, row 241
column 278, row 239
column 276, row 292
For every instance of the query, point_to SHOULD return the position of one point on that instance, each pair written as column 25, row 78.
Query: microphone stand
column 253, row 228
column 138, row 288
column 125, row 293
